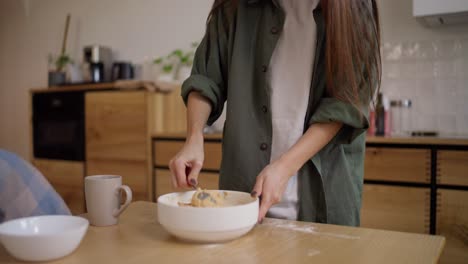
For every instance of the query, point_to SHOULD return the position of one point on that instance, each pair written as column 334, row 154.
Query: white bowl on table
column 43, row 238
column 236, row 218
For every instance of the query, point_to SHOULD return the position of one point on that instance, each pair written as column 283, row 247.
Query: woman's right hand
column 186, row 165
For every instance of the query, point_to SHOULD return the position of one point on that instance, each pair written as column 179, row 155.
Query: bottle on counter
column 371, row 130
column 406, row 117
column 395, row 112
column 387, row 117
column 380, row 116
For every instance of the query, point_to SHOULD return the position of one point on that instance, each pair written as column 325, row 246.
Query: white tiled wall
column 434, row 75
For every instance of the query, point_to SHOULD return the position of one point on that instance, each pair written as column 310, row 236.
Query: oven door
column 58, row 126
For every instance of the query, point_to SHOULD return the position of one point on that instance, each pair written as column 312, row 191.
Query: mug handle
column 128, row 200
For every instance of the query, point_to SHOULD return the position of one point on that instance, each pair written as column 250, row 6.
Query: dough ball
column 208, row 198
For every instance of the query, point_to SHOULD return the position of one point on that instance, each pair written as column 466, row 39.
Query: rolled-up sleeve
column 209, row 71
column 355, row 119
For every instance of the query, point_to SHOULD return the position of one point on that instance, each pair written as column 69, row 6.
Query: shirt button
column 264, row 68
column 264, row 109
column 274, row 30
column 263, row 146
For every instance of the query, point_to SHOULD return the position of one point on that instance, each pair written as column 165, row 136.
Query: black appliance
column 98, row 62
column 97, row 72
column 122, row 71
column 59, row 125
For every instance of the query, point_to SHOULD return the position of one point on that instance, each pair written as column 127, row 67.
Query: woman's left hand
column 270, row 185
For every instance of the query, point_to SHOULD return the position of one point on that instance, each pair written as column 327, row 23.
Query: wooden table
column 140, row 239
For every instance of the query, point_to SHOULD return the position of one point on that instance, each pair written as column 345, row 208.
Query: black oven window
column 58, row 126
column 52, row 133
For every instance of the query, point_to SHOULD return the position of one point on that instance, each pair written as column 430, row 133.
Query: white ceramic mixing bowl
column 43, row 238
column 236, row 218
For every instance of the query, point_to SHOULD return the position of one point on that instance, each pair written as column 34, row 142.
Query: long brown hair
column 352, row 48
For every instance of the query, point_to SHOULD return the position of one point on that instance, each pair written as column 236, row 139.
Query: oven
column 59, row 125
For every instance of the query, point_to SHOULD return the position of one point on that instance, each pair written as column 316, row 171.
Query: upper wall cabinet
column 438, row 13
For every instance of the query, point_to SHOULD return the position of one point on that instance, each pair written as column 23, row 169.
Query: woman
column 298, row 77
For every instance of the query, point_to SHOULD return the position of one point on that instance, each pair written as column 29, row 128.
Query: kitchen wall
column 31, row 29
column 428, row 65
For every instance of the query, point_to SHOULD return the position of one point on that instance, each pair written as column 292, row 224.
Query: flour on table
column 278, row 223
column 312, row 252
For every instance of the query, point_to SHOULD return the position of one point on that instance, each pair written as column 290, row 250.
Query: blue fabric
column 24, row 191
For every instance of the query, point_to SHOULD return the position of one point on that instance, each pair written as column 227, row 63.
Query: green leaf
column 158, row 60
column 178, row 53
column 167, row 68
column 62, row 61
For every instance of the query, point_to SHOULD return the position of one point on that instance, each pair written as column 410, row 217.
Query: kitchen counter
column 181, row 136
column 75, row 87
column 139, row 238
column 452, row 141
column 443, row 140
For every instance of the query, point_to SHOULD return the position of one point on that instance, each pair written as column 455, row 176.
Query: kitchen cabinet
column 395, row 164
column 118, row 129
column 452, row 223
column 452, row 167
column 117, row 137
column 169, row 112
column 445, row 185
column 67, row 179
column 395, row 208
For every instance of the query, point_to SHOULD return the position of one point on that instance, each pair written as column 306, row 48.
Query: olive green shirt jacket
column 230, row 65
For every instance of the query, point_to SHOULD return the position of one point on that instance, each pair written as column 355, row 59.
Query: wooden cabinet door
column 452, row 223
column 395, row 208
column 117, row 140
column 395, row 164
column 452, row 167
column 170, row 112
column 163, row 182
column 67, row 178
column 134, row 174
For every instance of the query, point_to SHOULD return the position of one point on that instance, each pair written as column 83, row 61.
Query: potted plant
column 176, row 66
column 57, row 74
column 57, row 69
column 185, row 61
column 165, row 70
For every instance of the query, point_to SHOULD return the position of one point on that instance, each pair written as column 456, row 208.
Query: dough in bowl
column 208, row 198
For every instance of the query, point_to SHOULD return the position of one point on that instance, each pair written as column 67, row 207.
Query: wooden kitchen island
column 417, row 185
column 139, row 238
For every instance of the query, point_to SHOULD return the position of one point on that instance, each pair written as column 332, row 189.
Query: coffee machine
column 97, row 61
